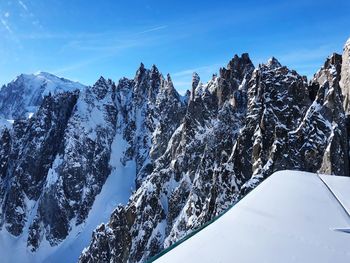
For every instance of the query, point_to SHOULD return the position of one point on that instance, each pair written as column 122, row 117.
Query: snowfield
column 290, row 217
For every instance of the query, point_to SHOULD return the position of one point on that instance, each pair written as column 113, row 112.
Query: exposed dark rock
column 345, row 77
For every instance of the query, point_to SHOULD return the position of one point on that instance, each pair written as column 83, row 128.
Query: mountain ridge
column 185, row 159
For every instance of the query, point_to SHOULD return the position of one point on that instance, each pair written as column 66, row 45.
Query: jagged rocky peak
column 345, row 77
column 107, row 130
column 169, row 86
column 147, row 83
column 329, row 73
column 151, row 109
column 278, row 98
column 333, row 63
column 154, row 69
column 168, row 78
column 141, row 69
column 320, row 143
column 233, row 78
column 186, row 162
column 274, row 70
column 240, row 64
column 195, row 82
column 187, row 96
column 156, row 77
column 102, row 87
column 273, row 63
column 230, row 84
column 334, row 60
column 183, row 176
column 219, row 152
column 238, row 67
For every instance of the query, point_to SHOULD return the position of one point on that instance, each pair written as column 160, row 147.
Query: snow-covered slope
column 291, row 217
column 23, row 96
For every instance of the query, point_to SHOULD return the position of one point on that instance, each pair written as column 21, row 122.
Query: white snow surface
column 290, row 217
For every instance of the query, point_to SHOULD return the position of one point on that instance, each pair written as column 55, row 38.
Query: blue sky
column 83, row 39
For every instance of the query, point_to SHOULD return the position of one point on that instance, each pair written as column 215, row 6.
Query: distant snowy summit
column 21, row 98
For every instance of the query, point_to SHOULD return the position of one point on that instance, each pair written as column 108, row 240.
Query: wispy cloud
column 89, row 36
column 183, row 79
column 109, row 43
column 307, row 54
column 23, row 5
column 306, row 61
column 157, row 28
column 184, row 84
column 210, row 69
column 75, row 66
column 6, row 25
column 105, row 45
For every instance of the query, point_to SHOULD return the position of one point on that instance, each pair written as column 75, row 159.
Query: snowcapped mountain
column 23, row 96
column 57, row 162
column 132, row 167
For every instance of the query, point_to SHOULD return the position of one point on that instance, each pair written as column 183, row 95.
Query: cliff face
column 161, row 164
column 345, row 76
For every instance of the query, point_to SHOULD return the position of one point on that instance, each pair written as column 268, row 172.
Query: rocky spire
column 141, row 67
column 169, row 87
column 139, row 73
column 154, row 69
column 238, row 71
column 169, row 81
column 101, row 87
column 345, row 76
column 330, row 71
column 273, row 63
column 238, row 67
column 195, row 81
